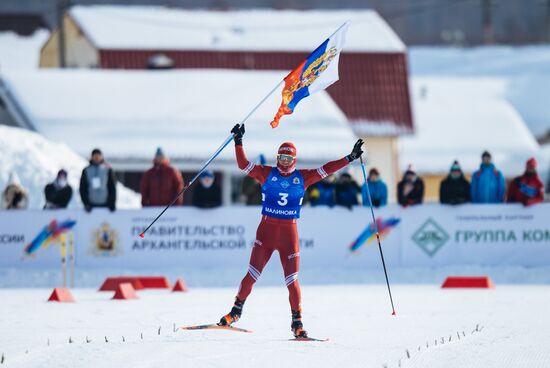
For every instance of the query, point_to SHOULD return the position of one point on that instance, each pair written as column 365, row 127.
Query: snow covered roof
column 36, row 161
column 459, row 118
column 187, row 112
column 152, row 27
column 21, row 52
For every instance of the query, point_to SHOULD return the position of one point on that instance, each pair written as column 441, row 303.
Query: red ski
column 307, row 339
column 215, row 326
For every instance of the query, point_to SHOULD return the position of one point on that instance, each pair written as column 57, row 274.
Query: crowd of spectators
column 162, row 182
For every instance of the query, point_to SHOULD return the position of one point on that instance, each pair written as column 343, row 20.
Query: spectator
column 208, row 193
column 455, row 189
column 322, row 192
column 377, row 188
column 528, row 188
column 346, row 191
column 98, row 184
column 487, row 182
column 161, row 183
column 15, row 197
column 58, row 193
column 252, row 189
column 410, row 190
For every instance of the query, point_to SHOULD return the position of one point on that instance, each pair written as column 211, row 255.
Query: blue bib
column 282, row 195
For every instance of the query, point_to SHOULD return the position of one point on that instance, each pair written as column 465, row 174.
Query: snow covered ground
column 503, row 327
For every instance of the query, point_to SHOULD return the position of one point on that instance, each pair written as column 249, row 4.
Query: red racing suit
column 278, row 234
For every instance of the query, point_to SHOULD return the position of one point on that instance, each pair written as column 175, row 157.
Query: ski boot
column 234, row 315
column 297, row 327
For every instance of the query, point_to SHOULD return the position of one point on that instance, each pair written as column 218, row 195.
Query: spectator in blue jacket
column 346, row 191
column 322, row 192
column 487, row 183
column 377, row 188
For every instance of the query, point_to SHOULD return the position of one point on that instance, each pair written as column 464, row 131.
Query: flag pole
column 377, row 234
column 218, row 151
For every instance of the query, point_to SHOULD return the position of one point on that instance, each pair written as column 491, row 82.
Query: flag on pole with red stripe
column 318, row 71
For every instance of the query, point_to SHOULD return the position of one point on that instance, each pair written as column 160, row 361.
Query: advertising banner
column 427, row 235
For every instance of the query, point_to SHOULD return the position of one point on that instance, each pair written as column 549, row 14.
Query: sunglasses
column 285, row 158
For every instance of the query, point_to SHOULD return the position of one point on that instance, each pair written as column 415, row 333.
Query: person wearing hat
column 410, row 190
column 377, row 188
column 527, row 188
column 346, row 191
column 98, row 183
column 208, row 193
column 283, row 190
column 488, row 184
column 14, row 197
column 58, row 193
column 161, row 183
column 455, row 188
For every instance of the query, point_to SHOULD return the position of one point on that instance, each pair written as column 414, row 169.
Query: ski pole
column 218, row 151
column 376, row 229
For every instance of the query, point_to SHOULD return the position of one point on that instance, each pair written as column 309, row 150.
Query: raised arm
column 312, row 176
column 258, row 172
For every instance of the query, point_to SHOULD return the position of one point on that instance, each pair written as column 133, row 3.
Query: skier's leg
column 289, row 253
column 258, row 259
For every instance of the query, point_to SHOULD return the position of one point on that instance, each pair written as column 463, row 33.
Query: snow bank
column 151, row 27
column 525, row 70
column 37, row 160
column 21, row 52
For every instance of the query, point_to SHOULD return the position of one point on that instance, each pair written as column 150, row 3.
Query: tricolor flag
column 318, row 71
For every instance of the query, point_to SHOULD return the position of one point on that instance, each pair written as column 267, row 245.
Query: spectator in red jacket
column 528, row 188
column 161, row 183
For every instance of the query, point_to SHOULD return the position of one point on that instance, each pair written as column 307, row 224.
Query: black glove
column 356, row 152
column 88, row 208
column 238, row 132
column 112, row 208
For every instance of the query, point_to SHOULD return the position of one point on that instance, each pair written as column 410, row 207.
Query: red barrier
column 125, row 291
column 62, row 295
column 180, row 286
column 154, row 282
column 111, row 283
column 483, row 282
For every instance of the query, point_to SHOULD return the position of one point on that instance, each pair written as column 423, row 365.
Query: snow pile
column 525, row 71
column 458, row 118
column 151, row 27
column 36, row 162
column 21, row 52
column 130, row 113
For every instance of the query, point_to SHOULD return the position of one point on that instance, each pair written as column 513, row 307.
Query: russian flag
column 318, row 71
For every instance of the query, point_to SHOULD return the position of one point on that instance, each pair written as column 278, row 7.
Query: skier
column 283, row 189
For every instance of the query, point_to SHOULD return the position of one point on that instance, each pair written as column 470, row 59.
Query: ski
column 307, row 339
column 215, row 326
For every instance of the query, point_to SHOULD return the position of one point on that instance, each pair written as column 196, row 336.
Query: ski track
column 356, row 318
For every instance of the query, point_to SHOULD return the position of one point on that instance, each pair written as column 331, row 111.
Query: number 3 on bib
column 283, row 201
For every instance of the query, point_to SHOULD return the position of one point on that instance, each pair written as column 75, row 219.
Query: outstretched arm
column 258, row 172
column 312, row 176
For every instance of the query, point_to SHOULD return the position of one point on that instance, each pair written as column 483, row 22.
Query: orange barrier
column 180, row 286
column 111, row 283
column 62, row 295
column 482, row 282
column 125, row 291
column 154, row 282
